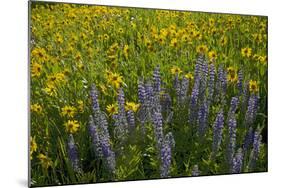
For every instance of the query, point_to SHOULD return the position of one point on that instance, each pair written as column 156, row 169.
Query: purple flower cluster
column 95, row 137
column 233, row 105
column 98, row 129
column 248, row 140
column 232, row 138
column 94, row 97
column 73, row 153
column 251, row 110
column 256, row 150
column 131, row 118
column 193, row 104
column 221, row 85
column 237, row 162
column 217, row 133
column 202, row 119
column 157, row 80
column 166, row 154
column 232, row 129
column 157, row 120
column 141, row 92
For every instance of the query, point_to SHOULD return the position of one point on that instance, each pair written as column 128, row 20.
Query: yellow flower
column 212, row 56
column 211, row 21
column 263, row 60
column 36, row 108
column 33, row 146
column 45, row 161
column 120, row 30
column 50, row 90
column 232, row 75
column 40, row 54
column 126, row 51
column 80, row 105
column 176, row 70
column 246, row 52
column 253, row 86
column 59, row 38
column 72, row 126
column 112, row 109
column 36, row 70
column 105, row 37
column 202, row 49
column 185, row 38
column 115, row 80
column 174, row 42
column 68, row 111
column 189, row 76
column 132, row 106
column 60, row 76
column 55, row 79
column 161, row 39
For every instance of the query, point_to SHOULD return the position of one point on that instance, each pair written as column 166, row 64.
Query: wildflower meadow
column 122, row 93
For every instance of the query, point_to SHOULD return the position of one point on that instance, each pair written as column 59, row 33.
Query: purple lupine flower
column 251, row 110
column 121, row 102
column 211, row 84
column 256, row 150
column 240, row 82
column 131, row 118
column 166, row 102
column 256, row 106
column 195, row 171
column 184, row 90
column 202, row 119
column 94, row 97
column 233, row 105
column 103, row 126
column 73, row 153
column 193, row 105
column 121, row 119
column 237, row 162
column 166, row 155
column 99, row 131
column 149, row 94
column 221, row 78
column 256, row 144
column 221, row 84
column 158, row 127
column 95, row 137
column 217, row 131
column 169, row 138
column 111, row 161
column 203, row 79
column 157, row 79
column 248, row 140
column 232, row 138
column 141, row 92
